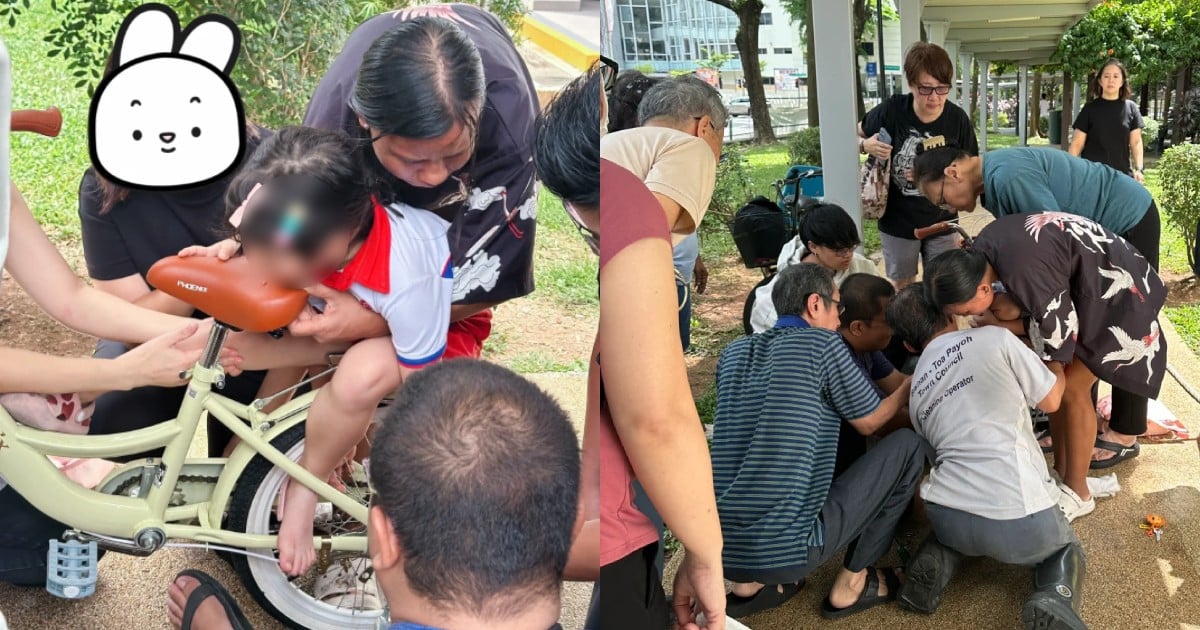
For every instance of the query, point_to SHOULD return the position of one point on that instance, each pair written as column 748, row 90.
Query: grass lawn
column 47, row 170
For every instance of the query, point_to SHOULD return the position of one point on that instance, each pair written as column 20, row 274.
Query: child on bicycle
column 304, row 214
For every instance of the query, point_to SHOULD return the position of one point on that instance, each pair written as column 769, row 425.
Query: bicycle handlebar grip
column 933, row 230
column 47, row 122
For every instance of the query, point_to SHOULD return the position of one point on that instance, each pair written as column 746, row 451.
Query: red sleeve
column 629, row 212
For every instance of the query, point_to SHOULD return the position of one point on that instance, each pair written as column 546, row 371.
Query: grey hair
column 682, row 99
column 795, row 283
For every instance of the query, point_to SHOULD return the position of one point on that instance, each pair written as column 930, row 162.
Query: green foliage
column 1180, row 198
column 804, row 147
column 1186, row 320
column 733, row 188
column 1002, row 120
column 1152, row 38
column 1109, row 30
column 1150, row 127
column 712, row 60
column 286, row 45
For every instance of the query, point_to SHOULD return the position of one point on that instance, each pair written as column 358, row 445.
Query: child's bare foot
column 296, row 552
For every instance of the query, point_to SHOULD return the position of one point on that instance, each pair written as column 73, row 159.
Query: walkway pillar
column 996, row 104
column 910, row 28
column 984, row 68
column 936, row 31
column 1023, row 105
column 952, row 50
column 834, row 44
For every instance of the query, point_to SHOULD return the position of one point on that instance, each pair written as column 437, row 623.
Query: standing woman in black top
column 1109, row 128
column 924, row 114
column 126, row 231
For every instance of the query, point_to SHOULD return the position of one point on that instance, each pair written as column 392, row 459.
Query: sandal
column 210, row 587
column 1122, row 453
column 869, row 597
column 767, row 597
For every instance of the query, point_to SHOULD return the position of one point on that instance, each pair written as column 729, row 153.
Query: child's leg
column 337, row 421
column 276, row 381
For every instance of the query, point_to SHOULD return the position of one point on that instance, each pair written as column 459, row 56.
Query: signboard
column 784, row 78
column 872, row 84
column 872, row 68
column 709, row 76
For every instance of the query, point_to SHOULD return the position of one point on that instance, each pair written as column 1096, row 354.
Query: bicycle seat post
column 216, row 340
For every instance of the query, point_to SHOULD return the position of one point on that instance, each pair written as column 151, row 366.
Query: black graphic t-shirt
column 491, row 238
column 907, row 209
column 1107, row 125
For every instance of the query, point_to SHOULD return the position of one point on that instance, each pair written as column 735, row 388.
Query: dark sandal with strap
column 210, row 587
column 869, row 597
column 766, row 598
column 1121, row 451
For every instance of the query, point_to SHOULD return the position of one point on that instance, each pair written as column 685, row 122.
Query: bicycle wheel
column 294, row 601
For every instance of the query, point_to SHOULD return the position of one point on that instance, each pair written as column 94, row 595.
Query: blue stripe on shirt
column 423, row 361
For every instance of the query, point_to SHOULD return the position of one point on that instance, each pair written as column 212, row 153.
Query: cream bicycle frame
column 25, row 466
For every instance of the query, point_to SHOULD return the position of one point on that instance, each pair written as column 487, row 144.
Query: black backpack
column 759, row 229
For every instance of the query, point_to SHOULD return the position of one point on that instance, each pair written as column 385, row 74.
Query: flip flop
column 1122, row 453
column 766, row 598
column 869, row 597
column 210, row 587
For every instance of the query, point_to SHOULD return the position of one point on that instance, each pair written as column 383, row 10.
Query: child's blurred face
column 1005, row 308
column 286, row 267
column 874, row 335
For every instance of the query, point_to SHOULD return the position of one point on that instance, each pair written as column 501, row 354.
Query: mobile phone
column 884, row 136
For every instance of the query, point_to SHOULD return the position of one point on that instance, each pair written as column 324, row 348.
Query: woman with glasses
column 641, row 421
column 827, row 237
column 922, row 117
column 451, row 133
column 1084, row 298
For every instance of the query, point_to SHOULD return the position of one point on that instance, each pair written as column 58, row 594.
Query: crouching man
column 989, row 493
column 782, row 396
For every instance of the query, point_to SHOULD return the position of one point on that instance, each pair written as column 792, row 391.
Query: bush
column 1044, row 125
column 804, row 147
column 1150, row 129
column 733, row 188
column 1002, row 120
column 1179, row 175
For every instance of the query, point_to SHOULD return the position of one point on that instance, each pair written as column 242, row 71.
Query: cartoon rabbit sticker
column 169, row 116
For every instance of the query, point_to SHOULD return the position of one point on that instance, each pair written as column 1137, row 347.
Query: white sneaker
column 1072, row 506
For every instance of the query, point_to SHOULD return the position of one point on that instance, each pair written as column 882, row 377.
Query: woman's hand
column 874, row 146
column 1139, row 176
column 223, row 250
column 161, row 360
column 700, row 276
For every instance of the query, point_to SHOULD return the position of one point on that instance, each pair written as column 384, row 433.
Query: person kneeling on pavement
column 782, row 396
column 989, row 493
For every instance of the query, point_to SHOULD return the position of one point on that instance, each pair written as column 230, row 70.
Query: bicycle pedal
column 71, row 571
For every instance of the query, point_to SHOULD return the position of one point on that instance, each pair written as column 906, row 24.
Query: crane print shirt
column 1089, row 295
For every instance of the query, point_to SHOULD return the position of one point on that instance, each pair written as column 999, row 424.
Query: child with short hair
column 304, row 214
column 989, row 492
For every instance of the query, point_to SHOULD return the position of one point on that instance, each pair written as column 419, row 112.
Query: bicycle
column 224, row 503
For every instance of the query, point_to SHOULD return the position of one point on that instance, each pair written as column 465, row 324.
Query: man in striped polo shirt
column 781, row 397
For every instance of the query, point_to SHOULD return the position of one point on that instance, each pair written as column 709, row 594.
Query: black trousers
column 117, row 412
column 631, row 594
column 1129, row 409
column 24, row 540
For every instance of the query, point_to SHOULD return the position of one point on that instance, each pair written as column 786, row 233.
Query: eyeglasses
column 608, row 72
column 841, row 309
column 926, row 90
column 590, row 236
column 941, row 204
column 711, row 125
column 829, row 299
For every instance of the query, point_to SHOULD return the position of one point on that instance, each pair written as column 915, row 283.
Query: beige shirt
column 671, row 163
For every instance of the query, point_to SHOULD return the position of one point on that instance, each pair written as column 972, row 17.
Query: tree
column 286, row 45
column 749, row 14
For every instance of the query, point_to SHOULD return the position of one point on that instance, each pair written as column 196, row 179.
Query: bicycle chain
column 177, row 497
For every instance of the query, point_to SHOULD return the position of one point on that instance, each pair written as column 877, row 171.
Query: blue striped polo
column 781, row 396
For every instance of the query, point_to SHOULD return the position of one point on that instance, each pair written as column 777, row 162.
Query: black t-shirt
column 907, row 209
column 1107, row 125
column 491, row 239
column 149, row 225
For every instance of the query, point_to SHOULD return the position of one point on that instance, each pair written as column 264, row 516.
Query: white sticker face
column 167, row 122
column 168, row 116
